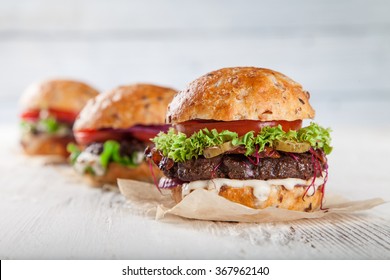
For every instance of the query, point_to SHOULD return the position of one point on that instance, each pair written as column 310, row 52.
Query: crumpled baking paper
column 201, row 204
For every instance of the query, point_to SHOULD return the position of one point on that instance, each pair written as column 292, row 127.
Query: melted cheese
column 261, row 188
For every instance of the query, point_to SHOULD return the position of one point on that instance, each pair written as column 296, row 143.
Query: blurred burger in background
column 48, row 111
column 113, row 131
column 238, row 132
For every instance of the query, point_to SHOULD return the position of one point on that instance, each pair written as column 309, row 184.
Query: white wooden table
column 45, row 214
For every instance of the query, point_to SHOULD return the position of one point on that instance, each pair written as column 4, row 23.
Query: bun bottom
column 279, row 197
column 35, row 145
column 115, row 171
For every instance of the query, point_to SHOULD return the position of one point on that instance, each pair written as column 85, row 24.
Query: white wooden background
column 339, row 50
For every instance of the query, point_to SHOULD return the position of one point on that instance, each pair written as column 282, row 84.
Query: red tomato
column 87, row 136
column 64, row 116
column 241, row 127
column 144, row 136
column 30, row 115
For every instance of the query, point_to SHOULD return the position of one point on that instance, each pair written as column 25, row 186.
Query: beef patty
column 238, row 166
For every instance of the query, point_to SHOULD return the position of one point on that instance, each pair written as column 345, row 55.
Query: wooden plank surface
column 45, row 212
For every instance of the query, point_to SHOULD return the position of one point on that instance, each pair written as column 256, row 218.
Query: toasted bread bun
column 279, row 197
column 45, row 145
column 126, row 106
column 115, row 171
column 241, row 93
column 64, row 95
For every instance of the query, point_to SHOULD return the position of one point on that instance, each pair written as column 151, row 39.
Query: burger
column 238, row 132
column 113, row 130
column 49, row 110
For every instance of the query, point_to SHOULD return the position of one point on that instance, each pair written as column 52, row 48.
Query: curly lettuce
column 180, row 148
column 317, row 136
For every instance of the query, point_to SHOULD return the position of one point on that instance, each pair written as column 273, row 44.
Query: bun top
column 64, row 95
column 126, row 106
column 241, row 93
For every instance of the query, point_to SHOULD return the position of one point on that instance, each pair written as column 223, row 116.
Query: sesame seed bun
column 126, row 106
column 241, row 93
column 63, row 95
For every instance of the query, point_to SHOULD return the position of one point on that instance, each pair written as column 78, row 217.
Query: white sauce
column 63, row 130
column 261, row 188
column 138, row 157
column 85, row 160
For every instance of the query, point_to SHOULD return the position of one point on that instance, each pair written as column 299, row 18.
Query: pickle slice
column 211, row 152
column 291, row 146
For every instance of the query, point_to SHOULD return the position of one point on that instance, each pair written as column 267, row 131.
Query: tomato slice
column 31, row 115
column 140, row 132
column 64, row 116
column 144, row 136
column 241, row 127
column 86, row 136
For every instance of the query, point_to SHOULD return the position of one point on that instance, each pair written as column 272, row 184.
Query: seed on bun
column 126, row 106
column 241, row 93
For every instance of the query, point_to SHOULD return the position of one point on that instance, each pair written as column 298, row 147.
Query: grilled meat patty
column 238, row 166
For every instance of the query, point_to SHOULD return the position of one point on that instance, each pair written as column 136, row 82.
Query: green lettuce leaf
column 74, row 151
column 110, row 154
column 27, row 127
column 317, row 136
column 50, row 124
column 180, row 148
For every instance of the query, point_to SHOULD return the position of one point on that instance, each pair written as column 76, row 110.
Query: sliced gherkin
column 214, row 151
column 291, row 146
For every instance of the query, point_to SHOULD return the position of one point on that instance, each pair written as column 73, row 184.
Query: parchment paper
column 207, row 205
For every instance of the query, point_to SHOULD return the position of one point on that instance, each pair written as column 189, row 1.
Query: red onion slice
column 167, row 183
